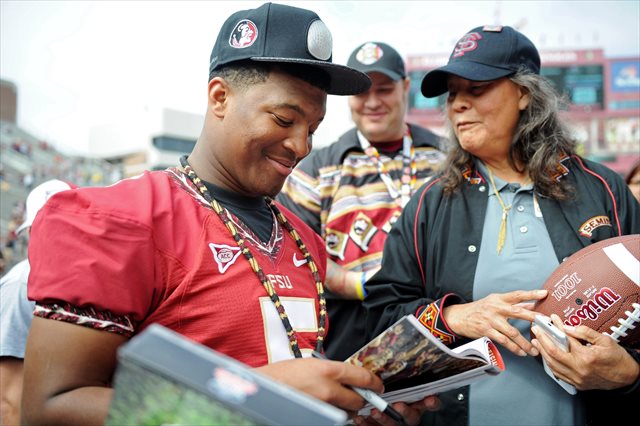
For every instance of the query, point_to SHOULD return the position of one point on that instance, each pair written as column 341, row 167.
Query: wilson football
column 599, row 286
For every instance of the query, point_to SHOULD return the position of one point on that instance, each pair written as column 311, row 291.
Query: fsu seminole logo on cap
column 467, row 43
column 369, row 54
column 244, row 34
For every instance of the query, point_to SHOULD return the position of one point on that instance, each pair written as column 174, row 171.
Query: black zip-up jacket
column 433, row 248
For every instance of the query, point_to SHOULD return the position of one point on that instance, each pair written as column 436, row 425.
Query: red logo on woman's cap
column 244, row 34
column 467, row 43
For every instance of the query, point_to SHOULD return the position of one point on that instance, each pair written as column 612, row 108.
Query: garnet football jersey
column 152, row 248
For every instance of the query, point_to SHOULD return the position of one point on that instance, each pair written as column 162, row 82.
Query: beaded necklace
column 502, row 233
column 408, row 180
column 505, row 212
column 225, row 216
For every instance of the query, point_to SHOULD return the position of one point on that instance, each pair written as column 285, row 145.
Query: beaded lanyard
column 271, row 291
column 408, row 179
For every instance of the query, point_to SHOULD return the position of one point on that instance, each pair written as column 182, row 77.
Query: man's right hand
column 326, row 380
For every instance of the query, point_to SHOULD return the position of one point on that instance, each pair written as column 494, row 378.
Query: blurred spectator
column 13, row 248
column 12, row 236
column 96, row 178
column 633, row 180
column 22, row 147
column 28, row 180
column 16, row 312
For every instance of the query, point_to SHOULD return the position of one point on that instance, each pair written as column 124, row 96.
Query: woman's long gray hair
column 539, row 142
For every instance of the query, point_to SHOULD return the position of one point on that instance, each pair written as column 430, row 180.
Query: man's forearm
column 344, row 283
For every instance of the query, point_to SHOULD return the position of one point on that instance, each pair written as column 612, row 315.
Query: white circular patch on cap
column 319, row 40
column 369, row 53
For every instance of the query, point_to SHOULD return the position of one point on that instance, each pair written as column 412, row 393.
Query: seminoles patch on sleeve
column 591, row 224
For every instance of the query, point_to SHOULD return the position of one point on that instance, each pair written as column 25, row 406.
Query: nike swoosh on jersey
column 297, row 262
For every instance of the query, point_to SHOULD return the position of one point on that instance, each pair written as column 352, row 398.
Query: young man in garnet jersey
column 200, row 248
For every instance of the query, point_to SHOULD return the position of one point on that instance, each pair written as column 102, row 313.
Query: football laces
column 628, row 323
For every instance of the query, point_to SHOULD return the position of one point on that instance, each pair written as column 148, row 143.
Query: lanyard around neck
column 225, row 217
column 408, row 179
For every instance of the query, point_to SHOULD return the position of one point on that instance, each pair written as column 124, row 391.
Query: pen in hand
column 372, row 398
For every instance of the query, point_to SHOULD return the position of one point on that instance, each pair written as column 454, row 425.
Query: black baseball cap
column 483, row 54
column 284, row 34
column 374, row 56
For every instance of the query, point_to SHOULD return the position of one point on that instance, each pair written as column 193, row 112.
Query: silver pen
column 372, row 398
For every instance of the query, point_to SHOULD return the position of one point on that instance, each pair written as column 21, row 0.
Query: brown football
column 599, row 286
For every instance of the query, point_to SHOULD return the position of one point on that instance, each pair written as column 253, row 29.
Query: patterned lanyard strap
column 408, row 179
column 225, row 217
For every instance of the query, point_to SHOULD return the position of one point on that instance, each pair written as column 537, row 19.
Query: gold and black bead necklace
column 225, row 217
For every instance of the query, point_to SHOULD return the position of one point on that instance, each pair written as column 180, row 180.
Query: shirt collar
column 500, row 184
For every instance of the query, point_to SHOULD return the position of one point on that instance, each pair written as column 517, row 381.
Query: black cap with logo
column 483, row 54
column 284, row 34
column 374, row 56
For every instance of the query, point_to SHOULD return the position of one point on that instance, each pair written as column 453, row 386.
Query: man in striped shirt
column 352, row 191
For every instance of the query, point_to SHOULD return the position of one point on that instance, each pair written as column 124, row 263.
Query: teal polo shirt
column 525, row 262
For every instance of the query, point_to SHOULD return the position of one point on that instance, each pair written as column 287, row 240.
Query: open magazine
column 164, row 378
column 413, row 363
